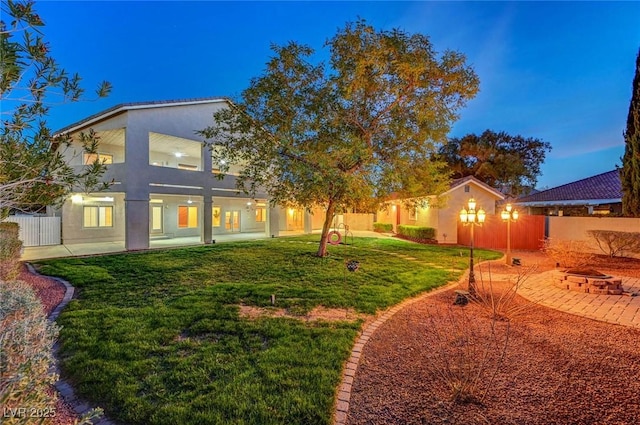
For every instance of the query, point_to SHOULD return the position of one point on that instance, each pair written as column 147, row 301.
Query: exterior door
column 157, row 220
column 232, row 221
column 295, row 219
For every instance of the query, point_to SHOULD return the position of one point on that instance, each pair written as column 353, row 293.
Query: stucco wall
column 317, row 218
column 358, row 221
column 74, row 232
column 575, row 228
column 247, row 214
column 457, row 199
column 387, row 216
column 444, row 217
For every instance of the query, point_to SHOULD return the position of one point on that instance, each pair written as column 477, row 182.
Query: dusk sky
column 561, row 72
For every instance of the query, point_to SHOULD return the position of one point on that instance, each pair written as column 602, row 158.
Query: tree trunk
column 328, row 218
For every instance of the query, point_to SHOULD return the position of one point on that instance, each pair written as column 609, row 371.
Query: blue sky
column 561, row 72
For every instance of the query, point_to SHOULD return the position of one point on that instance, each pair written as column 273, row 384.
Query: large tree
column 349, row 132
column 511, row 164
column 33, row 169
column 630, row 171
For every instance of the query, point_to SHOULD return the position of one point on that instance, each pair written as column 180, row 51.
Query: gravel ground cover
column 556, row 369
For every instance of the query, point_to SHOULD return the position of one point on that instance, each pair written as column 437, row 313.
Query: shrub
column 498, row 299
column 615, row 243
column 382, row 227
column 10, row 246
column 465, row 352
column 26, row 340
column 568, row 253
column 468, row 350
column 417, row 232
column 8, row 228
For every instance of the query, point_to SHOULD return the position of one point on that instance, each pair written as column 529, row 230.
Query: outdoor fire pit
column 587, row 280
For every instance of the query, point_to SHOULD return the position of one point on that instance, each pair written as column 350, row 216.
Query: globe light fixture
column 509, row 214
column 470, row 217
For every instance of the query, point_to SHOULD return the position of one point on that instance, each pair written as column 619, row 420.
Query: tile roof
column 138, row 105
column 602, row 186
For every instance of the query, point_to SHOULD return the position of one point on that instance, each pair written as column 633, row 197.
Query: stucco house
column 597, row 195
column 164, row 182
column 444, row 218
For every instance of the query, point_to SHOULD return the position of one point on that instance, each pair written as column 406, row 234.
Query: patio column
column 307, row 221
column 135, row 182
column 136, row 224
column 207, row 211
column 273, row 221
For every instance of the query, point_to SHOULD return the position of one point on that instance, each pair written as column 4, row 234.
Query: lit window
column 98, row 216
column 216, row 216
column 261, row 215
column 187, row 217
column 102, row 158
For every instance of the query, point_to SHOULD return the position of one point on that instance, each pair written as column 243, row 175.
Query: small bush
column 26, row 340
column 615, row 243
column 10, row 246
column 499, row 300
column 567, row 253
column 8, row 228
column 417, row 232
column 465, row 353
column 382, row 227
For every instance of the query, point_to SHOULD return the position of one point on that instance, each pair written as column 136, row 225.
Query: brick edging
column 63, row 387
column 343, row 395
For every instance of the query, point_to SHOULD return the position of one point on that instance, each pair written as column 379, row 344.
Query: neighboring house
column 164, row 182
column 444, row 218
column 597, row 195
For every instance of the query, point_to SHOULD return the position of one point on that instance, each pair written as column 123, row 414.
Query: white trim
column 221, row 189
column 179, row 186
column 479, row 184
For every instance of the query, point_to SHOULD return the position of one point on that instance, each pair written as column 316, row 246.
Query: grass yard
column 156, row 337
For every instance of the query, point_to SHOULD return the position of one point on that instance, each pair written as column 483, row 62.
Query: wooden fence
column 527, row 233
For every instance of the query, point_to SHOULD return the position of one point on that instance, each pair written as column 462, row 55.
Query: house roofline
column 545, row 192
column 568, row 202
column 471, row 179
column 124, row 107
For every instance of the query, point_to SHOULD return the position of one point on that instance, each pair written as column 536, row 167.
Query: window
column 466, row 188
column 187, row 217
column 261, row 215
column 97, row 216
column 232, row 221
column 215, row 216
column 156, row 218
column 103, row 158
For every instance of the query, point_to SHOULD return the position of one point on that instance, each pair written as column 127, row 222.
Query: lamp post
column 508, row 214
column 473, row 218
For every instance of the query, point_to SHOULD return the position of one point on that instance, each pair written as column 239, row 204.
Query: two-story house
column 165, row 185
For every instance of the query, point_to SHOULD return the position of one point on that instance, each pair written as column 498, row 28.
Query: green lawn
column 156, row 337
